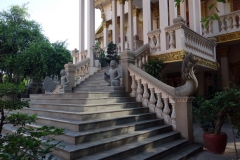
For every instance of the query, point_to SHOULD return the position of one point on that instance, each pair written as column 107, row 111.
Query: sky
column 59, row 18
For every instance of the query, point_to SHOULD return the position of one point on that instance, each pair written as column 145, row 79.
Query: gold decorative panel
column 228, row 37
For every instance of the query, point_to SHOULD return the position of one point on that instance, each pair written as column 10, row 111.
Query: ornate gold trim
column 178, row 56
column 98, row 2
column 203, row 8
column 170, row 57
column 121, row 1
column 136, row 11
column 231, row 5
column 105, row 24
column 228, row 37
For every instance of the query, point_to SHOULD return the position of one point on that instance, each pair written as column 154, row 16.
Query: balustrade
column 154, row 42
column 141, row 93
column 227, row 23
column 82, row 70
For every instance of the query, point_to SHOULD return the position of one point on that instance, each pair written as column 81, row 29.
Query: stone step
column 93, row 124
column 72, row 137
column 79, row 95
column 186, row 152
column 84, row 116
column 76, row 90
column 123, row 149
column 85, row 108
column 102, row 100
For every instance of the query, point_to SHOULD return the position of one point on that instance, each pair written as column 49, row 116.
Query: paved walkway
column 229, row 153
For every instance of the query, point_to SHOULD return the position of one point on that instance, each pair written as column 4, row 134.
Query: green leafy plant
column 26, row 142
column 212, row 7
column 102, row 58
column 154, row 67
column 224, row 104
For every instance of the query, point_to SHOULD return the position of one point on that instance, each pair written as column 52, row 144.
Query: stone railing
column 83, row 54
column 154, row 41
column 141, row 56
column 173, row 105
column 227, row 23
column 180, row 37
column 82, row 70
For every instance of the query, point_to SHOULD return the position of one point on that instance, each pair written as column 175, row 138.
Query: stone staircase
column 106, row 123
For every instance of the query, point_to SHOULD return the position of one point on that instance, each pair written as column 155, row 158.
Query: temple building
column 171, row 32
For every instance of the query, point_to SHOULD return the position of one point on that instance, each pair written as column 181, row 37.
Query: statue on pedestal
column 114, row 74
column 64, row 82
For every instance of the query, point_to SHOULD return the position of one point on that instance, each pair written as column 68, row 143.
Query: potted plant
column 212, row 113
column 102, row 58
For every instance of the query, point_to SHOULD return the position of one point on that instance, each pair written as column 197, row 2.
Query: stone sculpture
column 114, row 74
column 49, row 85
column 64, row 83
column 191, row 85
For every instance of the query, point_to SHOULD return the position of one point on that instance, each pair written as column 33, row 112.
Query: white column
column 183, row 10
column 195, row 15
column 114, row 22
column 105, row 33
column 130, row 24
column 122, row 24
column 163, row 9
column 147, row 24
column 90, row 29
column 81, row 27
column 172, row 11
column 135, row 21
column 221, row 8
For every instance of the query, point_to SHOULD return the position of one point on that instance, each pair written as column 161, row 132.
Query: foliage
column 112, row 52
column 24, row 51
column 102, row 58
column 216, row 85
column 213, row 112
column 212, row 7
column 26, row 142
column 154, row 68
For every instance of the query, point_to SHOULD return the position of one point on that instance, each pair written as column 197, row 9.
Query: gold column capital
column 136, row 11
column 121, row 1
column 223, row 51
column 105, row 24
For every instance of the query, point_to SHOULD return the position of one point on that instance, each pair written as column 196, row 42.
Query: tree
column 26, row 142
column 212, row 7
column 25, row 52
column 112, row 52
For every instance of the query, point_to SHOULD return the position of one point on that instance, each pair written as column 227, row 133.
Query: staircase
column 105, row 123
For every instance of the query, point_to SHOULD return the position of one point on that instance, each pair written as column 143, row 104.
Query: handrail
column 82, row 70
column 141, row 55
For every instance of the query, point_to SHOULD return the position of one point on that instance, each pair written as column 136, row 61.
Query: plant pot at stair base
column 215, row 143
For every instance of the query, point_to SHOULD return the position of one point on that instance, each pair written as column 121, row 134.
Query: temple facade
column 170, row 31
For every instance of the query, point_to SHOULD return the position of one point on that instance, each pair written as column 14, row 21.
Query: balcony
column 225, row 29
column 178, row 40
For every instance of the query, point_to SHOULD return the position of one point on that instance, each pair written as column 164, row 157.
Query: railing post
column 127, row 57
column 183, row 111
column 70, row 69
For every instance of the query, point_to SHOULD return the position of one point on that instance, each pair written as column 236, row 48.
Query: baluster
column 136, row 61
column 210, row 28
column 153, row 47
column 173, row 116
column 166, row 111
column 158, row 42
column 133, row 86
column 152, row 101
column 172, row 41
column 139, row 91
column 204, row 30
column 234, row 18
column 140, row 62
column 145, row 95
column 228, row 21
column 159, row 106
column 144, row 59
column 222, row 24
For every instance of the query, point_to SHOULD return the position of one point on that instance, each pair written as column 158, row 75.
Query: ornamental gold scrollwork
column 228, row 37
column 180, row 55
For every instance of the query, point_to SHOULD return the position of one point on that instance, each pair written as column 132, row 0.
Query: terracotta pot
column 215, row 143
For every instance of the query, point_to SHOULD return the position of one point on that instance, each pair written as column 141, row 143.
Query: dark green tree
column 26, row 142
column 112, row 52
column 24, row 50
